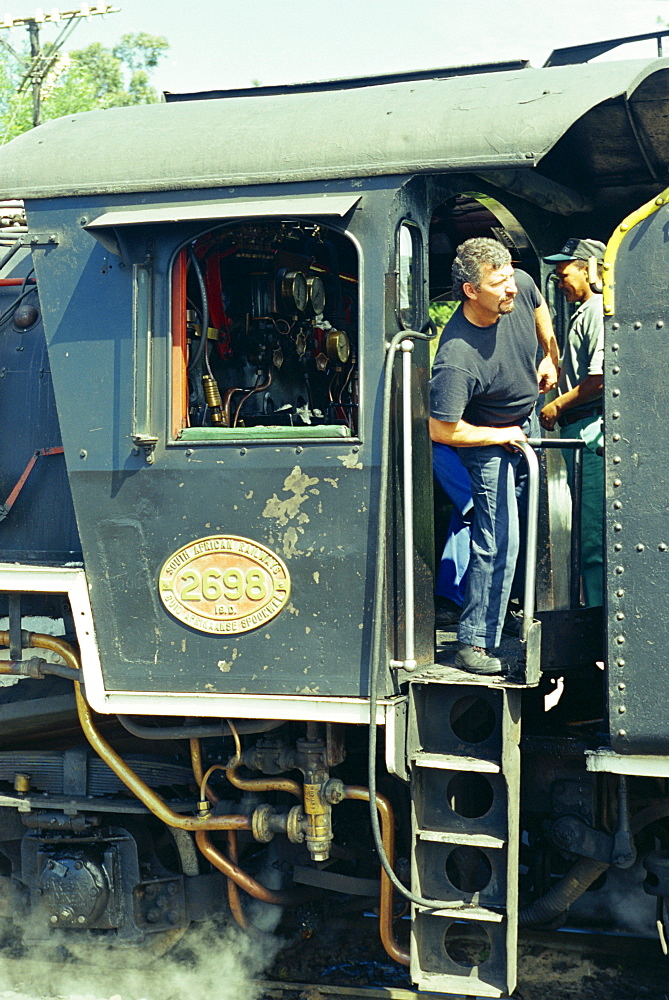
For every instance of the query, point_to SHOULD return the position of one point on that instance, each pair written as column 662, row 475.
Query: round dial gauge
column 294, row 290
column 337, row 346
column 316, row 294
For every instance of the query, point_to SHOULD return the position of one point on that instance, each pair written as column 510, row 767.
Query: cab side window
column 265, row 333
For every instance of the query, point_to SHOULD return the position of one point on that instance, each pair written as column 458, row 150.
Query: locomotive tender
column 217, row 534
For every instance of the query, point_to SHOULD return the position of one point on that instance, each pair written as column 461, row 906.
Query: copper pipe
column 227, row 402
column 256, row 388
column 46, row 642
column 243, row 880
column 385, row 811
column 257, row 784
column 198, row 771
column 262, row 784
column 139, row 788
column 234, row 900
column 142, row 790
column 205, row 778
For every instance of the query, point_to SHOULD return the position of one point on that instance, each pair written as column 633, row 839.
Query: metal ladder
column 464, row 756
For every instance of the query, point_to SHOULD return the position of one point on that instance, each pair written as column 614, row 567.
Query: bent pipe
column 201, row 732
column 35, row 668
column 356, row 792
column 125, row 773
column 234, row 900
column 262, row 784
column 244, row 881
column 236, row 877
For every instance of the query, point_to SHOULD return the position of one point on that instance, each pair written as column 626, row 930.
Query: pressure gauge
column 294, row 290
column 337, row 346
column 316, row 294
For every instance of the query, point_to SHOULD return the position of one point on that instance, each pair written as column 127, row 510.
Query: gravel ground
column 223, row 964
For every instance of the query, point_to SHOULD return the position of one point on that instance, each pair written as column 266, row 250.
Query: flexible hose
column 205, row 312
column 560, row 896
column 586, row 870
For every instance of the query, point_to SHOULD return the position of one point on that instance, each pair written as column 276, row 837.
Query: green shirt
column 584, row 349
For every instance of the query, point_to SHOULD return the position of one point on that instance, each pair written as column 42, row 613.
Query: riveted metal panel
column 637, row 479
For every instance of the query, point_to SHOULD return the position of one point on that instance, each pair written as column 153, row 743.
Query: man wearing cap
column 578, row 407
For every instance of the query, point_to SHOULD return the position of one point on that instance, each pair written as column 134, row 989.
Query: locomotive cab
column 235, row 648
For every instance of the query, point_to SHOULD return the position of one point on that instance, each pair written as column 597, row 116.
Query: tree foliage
column 89, row 78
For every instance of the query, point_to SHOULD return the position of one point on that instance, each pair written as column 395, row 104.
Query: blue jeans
column 454, row 479
column 499, row 492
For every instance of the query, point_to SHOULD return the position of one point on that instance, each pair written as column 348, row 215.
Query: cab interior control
column 279, row 303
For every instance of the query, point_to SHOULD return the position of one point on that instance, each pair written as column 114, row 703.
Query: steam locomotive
column 217, row 532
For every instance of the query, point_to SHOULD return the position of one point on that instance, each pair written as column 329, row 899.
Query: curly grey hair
column 470, row 258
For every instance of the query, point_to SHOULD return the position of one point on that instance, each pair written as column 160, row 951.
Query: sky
column 219, row 44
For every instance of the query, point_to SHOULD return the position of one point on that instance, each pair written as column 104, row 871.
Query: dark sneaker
column 476, row 660
column 446, row 613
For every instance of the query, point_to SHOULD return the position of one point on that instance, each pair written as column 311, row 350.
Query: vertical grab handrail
column 576, row 445
column 528, row 452
column 407, row 347
column 576, row 528
column 405, row 341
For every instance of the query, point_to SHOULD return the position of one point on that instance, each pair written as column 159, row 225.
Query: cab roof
column 604, row 121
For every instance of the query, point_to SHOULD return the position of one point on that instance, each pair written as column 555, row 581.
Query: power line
column 39, row 67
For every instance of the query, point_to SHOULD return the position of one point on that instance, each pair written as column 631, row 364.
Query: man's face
column 496, row 292
column 572, row 280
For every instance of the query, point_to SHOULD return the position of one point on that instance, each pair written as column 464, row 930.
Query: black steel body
column 636, row 487
column 34, row 529
column 132, row 516
column 182, row 361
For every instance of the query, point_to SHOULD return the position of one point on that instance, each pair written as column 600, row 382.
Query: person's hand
column 548, row 416
column 547, row 374
column 507, row 436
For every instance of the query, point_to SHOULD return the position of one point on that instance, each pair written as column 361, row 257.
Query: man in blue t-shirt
column 483, row 393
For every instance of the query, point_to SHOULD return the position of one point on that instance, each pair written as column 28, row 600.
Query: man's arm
column 547, row 372
column 460, row 434
column 590, row 388
column 590, row 326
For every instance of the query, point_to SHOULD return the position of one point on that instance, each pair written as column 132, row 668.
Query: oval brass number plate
column 224, row 584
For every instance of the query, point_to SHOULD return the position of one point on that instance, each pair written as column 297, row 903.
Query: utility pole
column 40, row 66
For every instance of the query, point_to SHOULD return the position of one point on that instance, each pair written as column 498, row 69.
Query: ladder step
column 478, row 913
column 463, row 735
column 451, row 762
column 466, row 839
column 458, row 985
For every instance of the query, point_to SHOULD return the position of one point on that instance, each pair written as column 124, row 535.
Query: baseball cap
column 578, row 250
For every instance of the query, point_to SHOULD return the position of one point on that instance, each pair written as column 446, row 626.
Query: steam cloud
column 219, row 962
